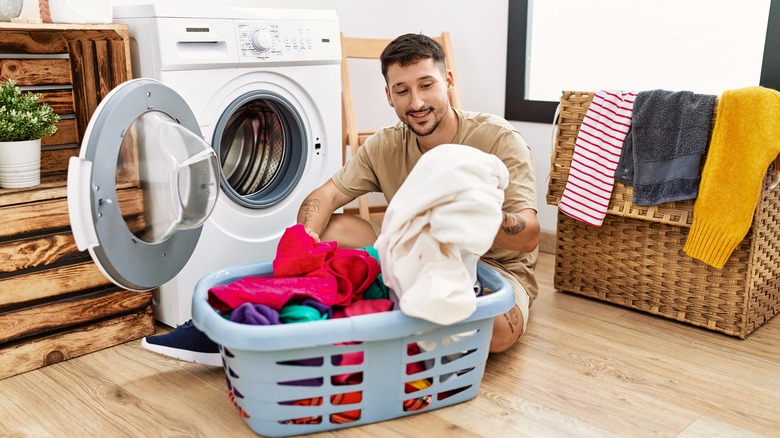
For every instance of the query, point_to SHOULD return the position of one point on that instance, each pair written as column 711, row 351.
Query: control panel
column 287, row 41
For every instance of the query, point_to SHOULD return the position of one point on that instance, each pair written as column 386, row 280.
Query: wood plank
column 85, row 95
column 44, row 285
column 48, row 350
column 91, row 29
column 31, row 254
column 62, row 314
column 104, row 80
column 97, row 68
column 54, row 71
column 66, row 134
column 53, row 186
column 61, row 101
column 40, row 217
column 18, row 40
column 25, row 254
column 55, row 161
column 131, row 397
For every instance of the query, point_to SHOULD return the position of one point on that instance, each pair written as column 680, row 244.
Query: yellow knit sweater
column 745, row 140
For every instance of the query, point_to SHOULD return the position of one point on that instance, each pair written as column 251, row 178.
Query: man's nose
column 417, row 101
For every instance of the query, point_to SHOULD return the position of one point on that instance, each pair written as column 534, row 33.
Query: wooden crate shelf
column 55, row 303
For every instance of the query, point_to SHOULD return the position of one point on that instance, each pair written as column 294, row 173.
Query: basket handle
column 553, row 139
column 776, row 181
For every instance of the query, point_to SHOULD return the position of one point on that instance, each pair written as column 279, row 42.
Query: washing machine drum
column 259, row 139
column 142, row 186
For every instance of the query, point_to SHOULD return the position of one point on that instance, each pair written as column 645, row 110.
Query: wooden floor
column 584, row 369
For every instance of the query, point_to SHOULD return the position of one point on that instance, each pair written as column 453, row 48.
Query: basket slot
column 447, row 394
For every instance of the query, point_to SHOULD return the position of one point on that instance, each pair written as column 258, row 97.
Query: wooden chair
column 371, row 48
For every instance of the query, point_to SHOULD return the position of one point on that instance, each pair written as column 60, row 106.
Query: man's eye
column 401, row 91
column 426, row 85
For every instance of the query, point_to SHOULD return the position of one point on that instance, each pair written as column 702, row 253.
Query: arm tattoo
column 512, row 224
column 308, row 208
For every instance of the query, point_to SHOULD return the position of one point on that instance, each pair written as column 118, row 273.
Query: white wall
column 478, row 30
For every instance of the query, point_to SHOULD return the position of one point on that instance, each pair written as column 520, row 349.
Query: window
column 706, row 46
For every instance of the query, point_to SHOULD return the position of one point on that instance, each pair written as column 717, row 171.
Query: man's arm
column 519, row 231
column 318, row 207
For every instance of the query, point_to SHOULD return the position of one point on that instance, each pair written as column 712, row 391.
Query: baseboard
column 547, row 242
column 371, row 209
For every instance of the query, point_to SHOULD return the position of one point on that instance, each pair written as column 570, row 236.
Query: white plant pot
column 10, row 9
column 20, row 163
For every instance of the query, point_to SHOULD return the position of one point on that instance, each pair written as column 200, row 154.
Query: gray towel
column 662, row 153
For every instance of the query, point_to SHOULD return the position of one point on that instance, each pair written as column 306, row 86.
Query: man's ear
column 389, row 100
column 450, row 77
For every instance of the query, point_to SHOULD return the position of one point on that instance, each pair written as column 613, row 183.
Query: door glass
column 175, row 175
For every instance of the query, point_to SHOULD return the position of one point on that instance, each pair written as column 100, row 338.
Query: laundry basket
column 635, row 259
column 309, row 377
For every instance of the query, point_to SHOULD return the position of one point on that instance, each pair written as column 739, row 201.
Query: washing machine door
column 142, row 186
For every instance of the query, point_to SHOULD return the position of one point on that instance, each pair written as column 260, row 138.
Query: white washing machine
column 264, row 88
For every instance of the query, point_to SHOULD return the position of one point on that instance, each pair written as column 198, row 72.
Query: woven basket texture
column 635, row 258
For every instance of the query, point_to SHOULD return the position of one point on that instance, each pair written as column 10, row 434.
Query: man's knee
column 349, row 231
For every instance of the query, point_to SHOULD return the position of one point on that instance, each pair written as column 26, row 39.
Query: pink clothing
column 596, row 156
column 303, row 267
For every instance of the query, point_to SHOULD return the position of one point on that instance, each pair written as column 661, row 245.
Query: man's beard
column 431, row 124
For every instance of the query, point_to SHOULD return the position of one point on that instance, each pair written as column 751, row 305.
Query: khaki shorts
column 522, row 301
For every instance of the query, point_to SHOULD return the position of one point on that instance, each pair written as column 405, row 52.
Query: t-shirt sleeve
column 516, row 155
column 357, row 177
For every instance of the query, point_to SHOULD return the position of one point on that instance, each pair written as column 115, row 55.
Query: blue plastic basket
column 295, row 379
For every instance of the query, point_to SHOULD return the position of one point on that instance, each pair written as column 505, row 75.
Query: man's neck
column 445, row 133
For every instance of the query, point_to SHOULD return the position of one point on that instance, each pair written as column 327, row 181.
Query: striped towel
column 596, row 156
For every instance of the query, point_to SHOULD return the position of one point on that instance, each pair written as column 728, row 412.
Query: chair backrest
column 371, row 48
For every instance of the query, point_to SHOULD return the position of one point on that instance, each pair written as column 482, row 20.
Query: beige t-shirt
column 387, row 158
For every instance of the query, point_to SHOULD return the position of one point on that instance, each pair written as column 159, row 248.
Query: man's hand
column 314, row 235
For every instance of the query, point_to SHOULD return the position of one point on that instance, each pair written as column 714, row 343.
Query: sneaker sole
column 211, row 359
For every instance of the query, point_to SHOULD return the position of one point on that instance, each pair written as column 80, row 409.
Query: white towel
column 596, row 156
column 451, row 201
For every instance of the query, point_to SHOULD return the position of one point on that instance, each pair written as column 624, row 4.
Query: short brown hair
column 410, row 48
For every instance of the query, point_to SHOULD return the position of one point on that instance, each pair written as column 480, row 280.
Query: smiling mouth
column 417, row 115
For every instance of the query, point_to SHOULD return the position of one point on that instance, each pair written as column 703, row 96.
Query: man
column 418, row 84
column 417, row 87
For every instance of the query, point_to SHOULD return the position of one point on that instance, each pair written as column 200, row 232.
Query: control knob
column 261, row 40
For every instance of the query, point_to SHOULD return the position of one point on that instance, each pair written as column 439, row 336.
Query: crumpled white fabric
column 451, row 201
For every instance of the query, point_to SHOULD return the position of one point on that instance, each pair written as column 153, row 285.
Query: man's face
column 418, row 92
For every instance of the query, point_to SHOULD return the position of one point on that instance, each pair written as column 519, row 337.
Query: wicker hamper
column 636, row 260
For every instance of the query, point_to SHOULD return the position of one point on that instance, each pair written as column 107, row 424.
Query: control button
column 261, row 40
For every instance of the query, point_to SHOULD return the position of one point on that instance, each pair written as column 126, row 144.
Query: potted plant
column 23, row 121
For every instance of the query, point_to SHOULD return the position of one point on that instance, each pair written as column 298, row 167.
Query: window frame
column 518, row 108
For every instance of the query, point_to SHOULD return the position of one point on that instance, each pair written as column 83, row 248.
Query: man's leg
column 350, row 231
column 509, row 326
column 507, row 329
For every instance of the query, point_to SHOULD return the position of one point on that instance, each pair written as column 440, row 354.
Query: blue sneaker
column 186, row 343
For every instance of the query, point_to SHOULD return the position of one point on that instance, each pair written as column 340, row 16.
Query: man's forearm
column 312, row 215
